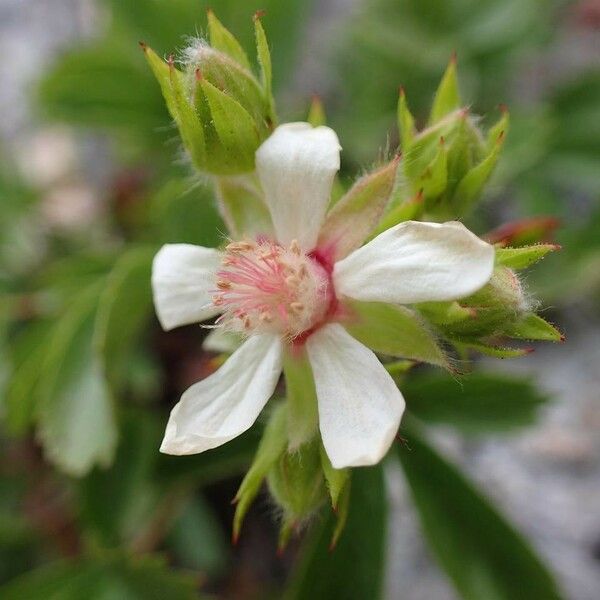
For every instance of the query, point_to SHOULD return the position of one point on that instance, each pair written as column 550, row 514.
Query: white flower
column 291, row 291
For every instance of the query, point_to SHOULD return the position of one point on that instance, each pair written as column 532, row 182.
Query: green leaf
column 447, row 97
column 406, row 122
column 476, row 402
column 235, row 128
column 183, row 113
column 353, row 218
column 124, row 308
column 533, row 327
column 479, row 550
column 127, row 486
column 76, row 417
column 223, row 40
column 28, row 350
column 102, row 578
column 523, row 257
column 264, row 60
column 271, row 446
column 394, row 330
column 354, row 569
column 302, row 415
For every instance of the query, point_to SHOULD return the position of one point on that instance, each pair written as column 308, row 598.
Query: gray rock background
column 546, row 478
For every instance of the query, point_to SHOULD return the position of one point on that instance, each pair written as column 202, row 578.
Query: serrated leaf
column 272, row 445
column 234, row 126
column 337, row 479
column 28, row 350
column 102, row 577
column 180, row 109
column 125, row 306
column 354, row 569
column 264, row 60
column 533, row 327
column 475, row 402
column 479, row 550
column 393, row 330
column 301, row 398
column 222, row 39
column 76, row 418
column 447, row 97
column 353, row 218
column 523, row 257
column 406, row 122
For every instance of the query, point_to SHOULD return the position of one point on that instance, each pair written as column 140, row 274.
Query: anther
column 297, row 307
column 266, row 317
column 295, row 247
column 223, row 285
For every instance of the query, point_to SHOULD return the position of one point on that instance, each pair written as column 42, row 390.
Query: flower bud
column 222, row 111
column 298, row 486
column 449, row 162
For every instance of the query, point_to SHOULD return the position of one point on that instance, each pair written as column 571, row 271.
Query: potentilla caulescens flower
column 289, row 292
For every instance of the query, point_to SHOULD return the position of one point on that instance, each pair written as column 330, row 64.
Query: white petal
column 360, row 406
column 225, row 404
column 296, row 167
column 416, row 262
column 182, row 277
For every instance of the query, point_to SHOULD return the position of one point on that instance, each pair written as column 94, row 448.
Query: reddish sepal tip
column 259, row 14
column 143, row 45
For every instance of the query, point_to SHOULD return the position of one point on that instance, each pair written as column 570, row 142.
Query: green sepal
column 494, row 351
column 234, row 126
column 533, row 327
column 264, row 60
column 472, row 184
column 406, row 122
column 353, row 218
column 337, row 479
column 242, row 206
column 303, row 417
column 394, row 330
column 405, row 211
column 523, row 257
column 271, row 447
column 180, row 109
column 316, row 113
column 445, row 313
column 222, row 39
column 498, row 129
column 447, row 97
column 434, row 179
column 343, row 507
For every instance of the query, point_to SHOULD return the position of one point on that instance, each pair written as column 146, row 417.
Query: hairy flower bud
column 223, row 112
column 447, row 164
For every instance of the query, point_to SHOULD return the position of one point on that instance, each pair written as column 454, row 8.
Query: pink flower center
column 265, row 287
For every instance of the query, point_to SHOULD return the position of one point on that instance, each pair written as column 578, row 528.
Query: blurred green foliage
column 85, row 373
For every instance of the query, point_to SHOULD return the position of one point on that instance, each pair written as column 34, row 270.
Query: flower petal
column 296, row 167
column 360, row 406
column 182, row 277
column 416, row 262
column 225, row 404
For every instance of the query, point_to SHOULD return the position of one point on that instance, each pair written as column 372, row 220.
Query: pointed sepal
column 447, row 96
column 222, row 39
column 525, row 256
column 533, row 327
